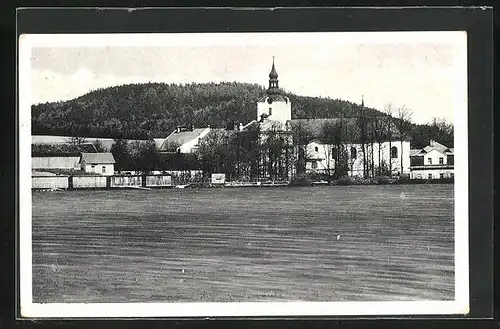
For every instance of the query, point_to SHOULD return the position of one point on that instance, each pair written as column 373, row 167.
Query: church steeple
column 273, row 80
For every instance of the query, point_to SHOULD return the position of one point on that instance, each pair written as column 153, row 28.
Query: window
column 92, row 166
column 103, row 169
column 314, row 165
column 430, row 175
column 315, row 149
column 429, row 160
column 441, row 160
column 354, row 153
column 451, row 175
column 441, row 175
column 419, row 176
column 270, row 111
column 394, row 152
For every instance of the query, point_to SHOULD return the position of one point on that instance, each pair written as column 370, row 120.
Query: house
column 435, row 161
column 183, row 139
column 99, row 163
column 59, row 156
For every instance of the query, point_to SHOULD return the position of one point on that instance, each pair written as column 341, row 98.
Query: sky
column 420, row 73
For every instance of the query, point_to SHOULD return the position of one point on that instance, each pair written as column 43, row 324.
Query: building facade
column 98, row 163
column 435, row 161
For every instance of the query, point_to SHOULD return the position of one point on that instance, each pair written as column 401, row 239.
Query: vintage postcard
column 243, row 174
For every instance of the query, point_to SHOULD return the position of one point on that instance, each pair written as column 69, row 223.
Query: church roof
column 350, row 128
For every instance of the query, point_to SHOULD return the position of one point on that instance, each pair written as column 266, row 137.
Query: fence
column 50, row 182
column 101, row 182
column 89, row 181
column 126, row 181
column 152, row 181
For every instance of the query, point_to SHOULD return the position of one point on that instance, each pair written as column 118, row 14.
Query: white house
column 99, row 163
column 183, row 139
column 434, row 161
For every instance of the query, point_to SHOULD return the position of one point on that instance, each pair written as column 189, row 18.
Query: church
column 317, row 153
column 274, row 146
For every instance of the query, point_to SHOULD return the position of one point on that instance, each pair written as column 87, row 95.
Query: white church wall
column 280, row 111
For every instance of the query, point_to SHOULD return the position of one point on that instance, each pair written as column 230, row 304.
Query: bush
column 380, row 180
column 300, row 180
column 346, row 180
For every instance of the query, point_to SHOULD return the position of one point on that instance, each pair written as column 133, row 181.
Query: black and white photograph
column 243, row 174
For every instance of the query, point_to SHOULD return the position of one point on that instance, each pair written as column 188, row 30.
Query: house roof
column 176, row 139
column 415, row 152
column 433, row 146
column 98, row 158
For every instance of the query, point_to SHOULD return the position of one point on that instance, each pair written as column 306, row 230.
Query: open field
column 342, row 243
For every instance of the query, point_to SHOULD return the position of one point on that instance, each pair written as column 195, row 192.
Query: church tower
column 275, row 105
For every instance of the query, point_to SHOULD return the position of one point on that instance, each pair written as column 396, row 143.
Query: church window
column 354, row 153
column 315, row 149
column 394, row 152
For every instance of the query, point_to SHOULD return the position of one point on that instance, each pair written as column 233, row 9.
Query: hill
column 153, row 110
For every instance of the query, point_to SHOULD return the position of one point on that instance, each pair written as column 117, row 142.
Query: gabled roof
column 98, row 158
column 416, row 152
column 433, row 146
column 176, row 139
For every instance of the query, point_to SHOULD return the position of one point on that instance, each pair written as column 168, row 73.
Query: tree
column 403, row 125
column 215, row 152
column 146, row 156
column 121, row 153
column 377, row 126
column 301, row 138
column 76, row 140
column 362, row 122
column 389, row 126
column 276, row 146
column 99, row 146
column 333, row 138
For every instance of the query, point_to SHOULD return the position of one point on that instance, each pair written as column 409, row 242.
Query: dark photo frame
column 476, row 22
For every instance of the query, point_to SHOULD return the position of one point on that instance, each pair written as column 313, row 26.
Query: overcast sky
column 421, row 75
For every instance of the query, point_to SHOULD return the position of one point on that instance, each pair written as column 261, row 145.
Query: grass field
column 348, row 243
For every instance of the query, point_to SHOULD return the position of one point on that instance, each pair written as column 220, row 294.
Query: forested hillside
column 153, row 110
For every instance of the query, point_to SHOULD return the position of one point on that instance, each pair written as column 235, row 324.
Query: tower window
column 270, row 111
column 394, row 152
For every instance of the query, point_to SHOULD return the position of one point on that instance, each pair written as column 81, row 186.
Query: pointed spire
column 362, row 100
column 273, row 74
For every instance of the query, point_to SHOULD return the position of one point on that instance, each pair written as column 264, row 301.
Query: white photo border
column 243, row 309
